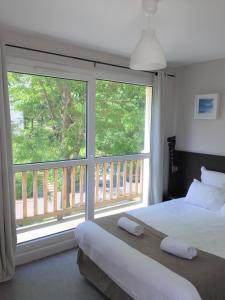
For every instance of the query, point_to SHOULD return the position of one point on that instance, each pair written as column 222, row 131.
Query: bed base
column 99, row 279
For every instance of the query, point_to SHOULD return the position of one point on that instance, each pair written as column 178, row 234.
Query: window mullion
column 90, row 198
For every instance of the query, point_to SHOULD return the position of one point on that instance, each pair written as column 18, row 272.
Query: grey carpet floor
column 52, row 278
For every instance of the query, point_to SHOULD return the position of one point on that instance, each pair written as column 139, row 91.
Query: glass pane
column 118, row 186
column 49, row 201
column 48, row 118
column 120, row 118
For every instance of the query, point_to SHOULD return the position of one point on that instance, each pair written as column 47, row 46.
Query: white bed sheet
column 140, row 276
column 193, row 225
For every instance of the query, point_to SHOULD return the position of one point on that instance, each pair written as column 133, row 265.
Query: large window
column 80, row 146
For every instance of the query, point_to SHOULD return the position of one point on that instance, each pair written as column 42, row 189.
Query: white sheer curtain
column 163, row 126
column 7, row 215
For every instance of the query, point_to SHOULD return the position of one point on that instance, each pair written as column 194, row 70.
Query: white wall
column 41, row 42
column 203, row 136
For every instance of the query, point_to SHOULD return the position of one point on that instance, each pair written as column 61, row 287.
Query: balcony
column 51, row 197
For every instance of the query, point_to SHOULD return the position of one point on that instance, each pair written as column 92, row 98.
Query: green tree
column 52, row 119
column 120, row 111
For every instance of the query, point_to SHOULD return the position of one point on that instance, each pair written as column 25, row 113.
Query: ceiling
column 189, row 30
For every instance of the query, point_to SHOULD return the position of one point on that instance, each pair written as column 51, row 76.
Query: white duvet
column 140, row 276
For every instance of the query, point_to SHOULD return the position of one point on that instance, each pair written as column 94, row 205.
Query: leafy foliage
column 53, row 118
column 120, row 111
column 52, row 122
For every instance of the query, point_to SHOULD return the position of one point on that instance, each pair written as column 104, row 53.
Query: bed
column 140, row 277
column 122, row 267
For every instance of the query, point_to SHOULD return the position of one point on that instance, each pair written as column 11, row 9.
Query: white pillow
column 206, row 196
column 213, row 178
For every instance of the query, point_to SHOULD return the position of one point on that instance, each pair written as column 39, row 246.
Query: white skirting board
column 40, row 248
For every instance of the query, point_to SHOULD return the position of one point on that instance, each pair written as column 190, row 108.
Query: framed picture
column 206, row 106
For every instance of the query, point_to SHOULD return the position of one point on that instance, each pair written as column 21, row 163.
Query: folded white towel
column 130, row 226
column 178, row 248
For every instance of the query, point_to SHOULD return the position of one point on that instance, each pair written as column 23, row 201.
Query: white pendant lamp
column 148, row 55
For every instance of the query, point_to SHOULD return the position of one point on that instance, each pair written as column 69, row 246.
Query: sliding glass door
column 81, row 146
column 48, row 118
column 122, row 147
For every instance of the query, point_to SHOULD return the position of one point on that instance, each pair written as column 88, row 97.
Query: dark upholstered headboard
column 188, row 167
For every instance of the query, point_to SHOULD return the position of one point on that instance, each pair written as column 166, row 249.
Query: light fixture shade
column 148, row 54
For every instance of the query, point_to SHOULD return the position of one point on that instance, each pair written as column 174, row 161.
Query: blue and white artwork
column 205, row 106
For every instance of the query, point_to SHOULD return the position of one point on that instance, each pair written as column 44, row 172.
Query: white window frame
column 26, row 61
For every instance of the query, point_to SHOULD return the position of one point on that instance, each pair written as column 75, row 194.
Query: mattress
column 193, row 225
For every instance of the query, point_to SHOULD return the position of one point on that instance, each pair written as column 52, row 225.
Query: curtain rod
column 80, row 58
